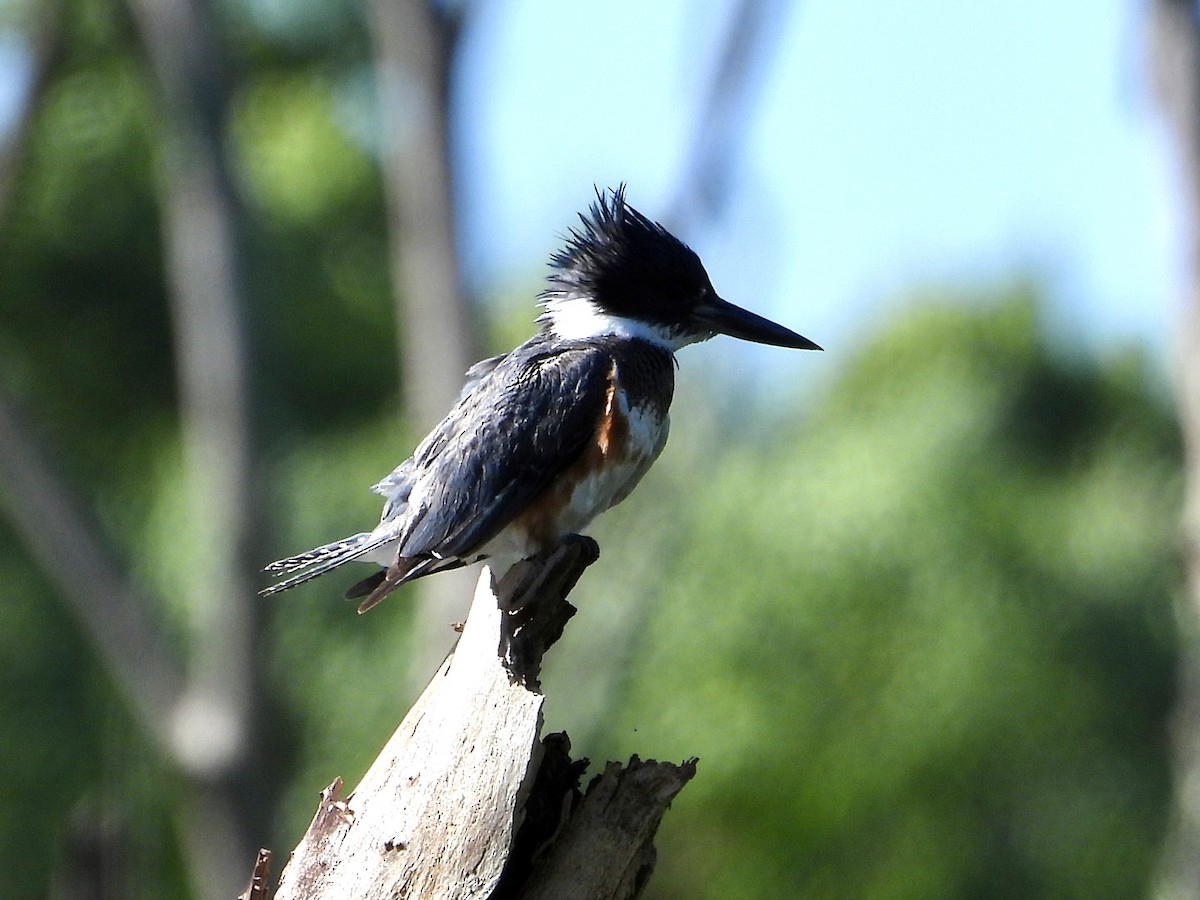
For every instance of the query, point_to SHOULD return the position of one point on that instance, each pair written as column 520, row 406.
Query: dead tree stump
column 467, row 800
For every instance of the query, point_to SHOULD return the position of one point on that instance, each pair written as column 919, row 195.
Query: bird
column 544, row 438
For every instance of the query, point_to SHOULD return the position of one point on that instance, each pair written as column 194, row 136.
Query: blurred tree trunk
column 69, row 546
column 1176, row 62
column 215, row 731
column 414, row 45
column 202, row 714
column 45, row 511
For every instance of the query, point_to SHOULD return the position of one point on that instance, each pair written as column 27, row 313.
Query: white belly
column 599, row 490
column 607, row 488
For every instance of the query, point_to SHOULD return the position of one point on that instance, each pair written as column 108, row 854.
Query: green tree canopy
column 921, row 637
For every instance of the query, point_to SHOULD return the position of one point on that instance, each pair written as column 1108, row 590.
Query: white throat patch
column 577, row 319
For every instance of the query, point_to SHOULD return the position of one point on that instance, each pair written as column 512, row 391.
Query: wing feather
column 502, row 445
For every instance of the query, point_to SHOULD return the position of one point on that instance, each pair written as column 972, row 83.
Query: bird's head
column 622, row 274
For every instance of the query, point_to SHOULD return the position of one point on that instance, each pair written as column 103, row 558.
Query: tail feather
column 402, row 570
column 322, row 559
column 317, row 554
column 378, row 585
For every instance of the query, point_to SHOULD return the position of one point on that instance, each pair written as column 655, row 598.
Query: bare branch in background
column 722, row 121
column 1175, row 58
column 45, row 512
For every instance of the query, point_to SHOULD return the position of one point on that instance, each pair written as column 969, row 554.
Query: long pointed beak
column 725, row 318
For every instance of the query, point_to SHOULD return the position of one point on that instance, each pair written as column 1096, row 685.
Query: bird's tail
column 405, row 569
column 320, row 560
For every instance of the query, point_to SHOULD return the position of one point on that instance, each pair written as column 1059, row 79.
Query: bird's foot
column 534, row 607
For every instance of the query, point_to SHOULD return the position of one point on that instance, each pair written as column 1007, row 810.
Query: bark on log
column 466, row 801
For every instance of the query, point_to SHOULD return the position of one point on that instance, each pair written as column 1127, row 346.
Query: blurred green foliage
column 922, row 638
column 917, row 625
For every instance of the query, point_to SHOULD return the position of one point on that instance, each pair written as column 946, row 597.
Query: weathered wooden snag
column 466, row 800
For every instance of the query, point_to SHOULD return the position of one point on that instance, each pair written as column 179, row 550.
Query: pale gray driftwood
column 437, row 808
column 604, row 849
column 465, row 801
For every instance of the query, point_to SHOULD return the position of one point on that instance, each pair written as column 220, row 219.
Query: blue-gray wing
column 522, row 424
column 397, row 484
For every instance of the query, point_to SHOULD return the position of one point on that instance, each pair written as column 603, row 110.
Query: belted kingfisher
column 548, row 436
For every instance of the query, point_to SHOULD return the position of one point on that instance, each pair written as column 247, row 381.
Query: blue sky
column 888, row 145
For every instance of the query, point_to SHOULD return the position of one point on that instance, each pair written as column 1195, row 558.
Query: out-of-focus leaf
column 921, row 640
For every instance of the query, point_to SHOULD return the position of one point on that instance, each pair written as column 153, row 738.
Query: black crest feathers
column 624, row 262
